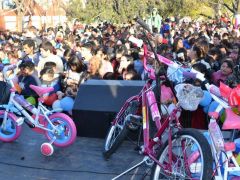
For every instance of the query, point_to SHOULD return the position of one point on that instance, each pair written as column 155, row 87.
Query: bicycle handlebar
column 143, row 24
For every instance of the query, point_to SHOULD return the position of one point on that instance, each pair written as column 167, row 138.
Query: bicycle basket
column 189, row 96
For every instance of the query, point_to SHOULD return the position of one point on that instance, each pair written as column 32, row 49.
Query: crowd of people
column 64, row 57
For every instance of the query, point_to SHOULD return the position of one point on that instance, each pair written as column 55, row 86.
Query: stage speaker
column 97, row 103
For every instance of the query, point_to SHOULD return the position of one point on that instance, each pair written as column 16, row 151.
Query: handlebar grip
column 143, row 24
column 190, row 75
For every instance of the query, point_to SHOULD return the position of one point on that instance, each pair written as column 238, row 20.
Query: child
column 74, row 77
column 48, row 80
column 27, row 77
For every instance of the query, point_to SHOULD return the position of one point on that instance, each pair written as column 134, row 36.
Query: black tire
column 116, row 143
column 205, row 155
column 118, row 131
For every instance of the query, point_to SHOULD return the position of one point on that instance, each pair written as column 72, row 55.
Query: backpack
column 4, row 92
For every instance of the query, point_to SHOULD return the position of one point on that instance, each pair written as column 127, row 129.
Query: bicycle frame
column 222, row 157
column 148, row 144
column 226, row 156
column 41, row 110
column 163, row 124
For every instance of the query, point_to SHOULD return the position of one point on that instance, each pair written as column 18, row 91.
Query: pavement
column 22, row 160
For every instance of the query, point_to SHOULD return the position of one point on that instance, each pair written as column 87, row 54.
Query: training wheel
column 47, row 149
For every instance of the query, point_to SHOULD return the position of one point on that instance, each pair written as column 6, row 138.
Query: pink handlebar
column 162, row 59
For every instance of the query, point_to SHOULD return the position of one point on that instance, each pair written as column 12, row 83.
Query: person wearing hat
column 154, row 21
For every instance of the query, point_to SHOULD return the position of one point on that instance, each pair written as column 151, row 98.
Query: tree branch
column 230, row 9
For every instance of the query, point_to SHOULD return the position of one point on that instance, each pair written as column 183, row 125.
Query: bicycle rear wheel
column 119, row 130
column 191, row 157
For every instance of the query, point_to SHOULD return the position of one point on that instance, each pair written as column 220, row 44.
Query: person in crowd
column 75, row 76
column 155, row 21
column 27, row 77
column 48, row 79
column 66, row 56
column 106, row 65
column 214, row 57
column 29, row 52
column 47, row 55
column 177, row 44
column 138, row 63
column 94, row 68
column 234, row 54
column 86, row 51
column 221, row 75
column 216, row 39
column 198, row 53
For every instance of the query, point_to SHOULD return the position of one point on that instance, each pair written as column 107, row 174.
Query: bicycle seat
column 232, row 120
column 41, row 90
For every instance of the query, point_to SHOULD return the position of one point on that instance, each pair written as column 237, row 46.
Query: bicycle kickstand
column 133, row 167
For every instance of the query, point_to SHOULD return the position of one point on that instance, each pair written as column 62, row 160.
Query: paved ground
column 22, row 159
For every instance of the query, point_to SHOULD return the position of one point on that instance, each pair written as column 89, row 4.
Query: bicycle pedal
column 20, row 121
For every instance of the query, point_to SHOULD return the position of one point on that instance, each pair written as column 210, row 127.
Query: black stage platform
column 22, row 160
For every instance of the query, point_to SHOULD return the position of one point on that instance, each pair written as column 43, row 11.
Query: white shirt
column 52, row 58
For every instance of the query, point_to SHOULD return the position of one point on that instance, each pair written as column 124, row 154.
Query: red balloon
column 48, row 100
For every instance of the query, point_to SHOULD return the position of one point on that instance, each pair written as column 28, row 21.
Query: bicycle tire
column 12, row 131
column 67, row 131
column 120, row 129
column 205, row 155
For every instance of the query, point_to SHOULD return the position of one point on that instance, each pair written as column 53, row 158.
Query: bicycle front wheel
column 66, row 131
column 189, row 158
column 119, row 130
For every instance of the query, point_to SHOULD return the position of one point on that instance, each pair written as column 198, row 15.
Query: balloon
column 50, row 99
column 213, row 106
column 206, row 100
column 31, row 100
column 237, row 143
column 56, row 104
column 67, row 103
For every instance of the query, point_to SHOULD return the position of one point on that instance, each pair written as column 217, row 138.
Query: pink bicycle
column 184, row 154
column 225, row 163
column 58, row 128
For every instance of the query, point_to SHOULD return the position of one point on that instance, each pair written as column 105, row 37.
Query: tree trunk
column 238, row 6
column 19, row 22
column 84, row 4
column 219, row 7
